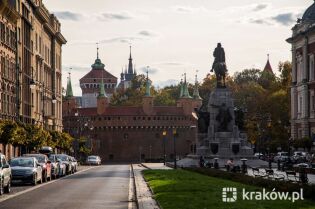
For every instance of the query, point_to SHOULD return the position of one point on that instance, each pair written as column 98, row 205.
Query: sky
column 174, row 37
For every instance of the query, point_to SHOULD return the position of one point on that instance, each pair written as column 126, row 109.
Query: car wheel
column 45, row 177
column 35, row 180
column 2, row 187
column 7, row 189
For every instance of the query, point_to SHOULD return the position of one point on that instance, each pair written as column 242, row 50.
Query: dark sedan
column 45, row 163
column 26, row 170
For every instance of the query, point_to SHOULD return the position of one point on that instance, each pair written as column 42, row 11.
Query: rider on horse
column 219, row 65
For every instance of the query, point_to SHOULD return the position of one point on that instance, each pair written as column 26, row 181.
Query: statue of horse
column 220, row 72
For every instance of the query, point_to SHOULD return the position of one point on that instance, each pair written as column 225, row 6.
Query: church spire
column 130, row 66
column 98, row 65
column 268, row 67
column 148, row 85
column 196, row 90
column 102, row 92
column 69, row 92
column 97, row 51
column 181, row 88
column 185, row 88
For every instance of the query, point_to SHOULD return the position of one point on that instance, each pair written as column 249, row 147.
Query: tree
column 132, row 96
column 65, row 141
column 35, row 137
column 247, row 75
column 11, row 133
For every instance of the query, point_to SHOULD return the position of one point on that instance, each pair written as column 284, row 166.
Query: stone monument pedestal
column 224, row 139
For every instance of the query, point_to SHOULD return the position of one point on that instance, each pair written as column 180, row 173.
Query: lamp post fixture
column 33, row 84
column 264, row 122
column 174, row 135
column 164, row 139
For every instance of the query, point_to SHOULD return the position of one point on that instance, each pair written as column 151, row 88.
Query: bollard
column 279, row 167
column 303, row 174
column 216, row 164
column 244, row 166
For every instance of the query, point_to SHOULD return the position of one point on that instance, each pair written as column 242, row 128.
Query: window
column 311, row 67
column 36, row 42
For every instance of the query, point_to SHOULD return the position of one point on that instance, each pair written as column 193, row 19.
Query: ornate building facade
column 135, row 132
column 8, row 50
column 40, row 48
column 303, row 76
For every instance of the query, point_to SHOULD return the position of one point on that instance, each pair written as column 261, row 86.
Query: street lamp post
column 174, row 135
column 164, row 154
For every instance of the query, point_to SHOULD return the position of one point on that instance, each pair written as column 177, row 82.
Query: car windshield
column 40, row 158
column 92, row 157
column 23, row 162
column 52, row 158
column 62, row 157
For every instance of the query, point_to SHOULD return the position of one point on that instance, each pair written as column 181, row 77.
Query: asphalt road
column 97, row 188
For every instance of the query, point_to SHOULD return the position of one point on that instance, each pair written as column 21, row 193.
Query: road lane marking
column 9, row 196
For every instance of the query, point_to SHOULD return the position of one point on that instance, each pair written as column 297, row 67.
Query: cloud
column 123, row 39
column 285, row 19
column 171, row 63
column 151, row 70
column 142, row 35
column 260, row 21
column 188, row 9
column 169, row 82
column 115, row 16
column 66, row 15
column 147, row 33
column 260, row 7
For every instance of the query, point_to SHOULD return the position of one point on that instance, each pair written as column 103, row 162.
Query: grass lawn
column 180, row 189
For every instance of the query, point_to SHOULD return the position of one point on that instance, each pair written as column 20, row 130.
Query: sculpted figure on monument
column 203, row 120
column 219, row 66
column 223, row 117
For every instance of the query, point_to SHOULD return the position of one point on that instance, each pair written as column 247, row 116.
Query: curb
column 132, row 190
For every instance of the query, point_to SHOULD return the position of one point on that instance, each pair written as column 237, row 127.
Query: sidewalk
column 155, row 166
column 143, row 192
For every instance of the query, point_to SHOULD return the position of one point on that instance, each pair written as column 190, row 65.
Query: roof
column 120, row 111
column 98, row 74
column 309, row 14
column 268, row 67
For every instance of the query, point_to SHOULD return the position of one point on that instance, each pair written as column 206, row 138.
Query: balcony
column 8, row 9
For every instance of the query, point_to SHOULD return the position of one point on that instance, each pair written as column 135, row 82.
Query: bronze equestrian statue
column 219, row 66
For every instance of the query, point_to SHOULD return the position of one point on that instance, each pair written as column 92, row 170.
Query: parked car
column 54, row 166
column 26, row 170
column 46, row 150
column 298, row 157
column 74, row 164
column 282, row 156
column 65, row 159
column 5, row 175
column 93, row 160
column 259, row 155
column 45, row 163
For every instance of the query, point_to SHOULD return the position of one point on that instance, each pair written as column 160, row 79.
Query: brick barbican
column 134, row 132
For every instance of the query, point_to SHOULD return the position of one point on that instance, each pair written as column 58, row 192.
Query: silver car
column 5, row 175
column 93, row 160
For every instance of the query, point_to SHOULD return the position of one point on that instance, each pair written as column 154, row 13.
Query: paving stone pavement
column 143, row 192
